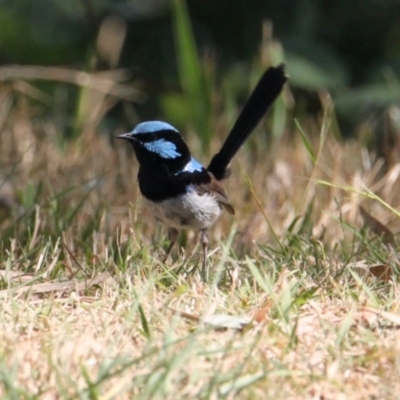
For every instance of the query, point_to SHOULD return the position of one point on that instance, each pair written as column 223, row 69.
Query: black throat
column 163, row 178
column 158, row 184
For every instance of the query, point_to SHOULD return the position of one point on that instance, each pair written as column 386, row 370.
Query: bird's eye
column 163, row 148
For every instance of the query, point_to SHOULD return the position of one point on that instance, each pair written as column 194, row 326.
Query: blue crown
column 153, row 126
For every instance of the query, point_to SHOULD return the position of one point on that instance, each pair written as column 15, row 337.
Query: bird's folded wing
column 215, row 189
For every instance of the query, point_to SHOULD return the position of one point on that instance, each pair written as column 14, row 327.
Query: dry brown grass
column 89, row 312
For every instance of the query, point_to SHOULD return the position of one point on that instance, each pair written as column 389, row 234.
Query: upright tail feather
column 263, row 96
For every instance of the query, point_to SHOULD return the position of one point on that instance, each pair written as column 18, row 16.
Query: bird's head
column 156, row 142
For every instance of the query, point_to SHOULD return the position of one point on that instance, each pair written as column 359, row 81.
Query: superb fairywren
column 179, row 191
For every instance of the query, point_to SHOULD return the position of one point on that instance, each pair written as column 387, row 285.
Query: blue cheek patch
column 163, row 148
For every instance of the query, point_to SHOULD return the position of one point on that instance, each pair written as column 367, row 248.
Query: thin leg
column 204, row 244
column 172, row 236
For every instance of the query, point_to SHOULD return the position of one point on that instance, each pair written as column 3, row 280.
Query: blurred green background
column 349, row 47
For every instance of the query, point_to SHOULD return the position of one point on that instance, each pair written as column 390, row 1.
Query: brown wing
column 215, row 187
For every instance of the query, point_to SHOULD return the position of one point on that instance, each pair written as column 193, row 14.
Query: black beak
column 126, row 136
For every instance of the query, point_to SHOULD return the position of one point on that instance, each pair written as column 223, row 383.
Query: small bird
column 179, row 191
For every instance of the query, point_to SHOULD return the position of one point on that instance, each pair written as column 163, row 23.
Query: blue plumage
column 152, row 126
column 192, row 166
column 163, row 148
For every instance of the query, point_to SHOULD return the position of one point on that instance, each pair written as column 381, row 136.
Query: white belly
column 189, row 210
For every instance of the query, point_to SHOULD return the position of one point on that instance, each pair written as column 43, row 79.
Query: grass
column 301, row 302
column 302, row 295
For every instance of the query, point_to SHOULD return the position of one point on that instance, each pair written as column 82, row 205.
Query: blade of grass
column 191, row 74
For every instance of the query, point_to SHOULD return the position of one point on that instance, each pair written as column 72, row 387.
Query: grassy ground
column 302, row 299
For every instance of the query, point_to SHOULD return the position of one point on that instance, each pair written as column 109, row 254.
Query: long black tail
column 263, row 96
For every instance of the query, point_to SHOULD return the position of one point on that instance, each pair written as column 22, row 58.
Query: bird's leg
column 204, row 244
column 172, row 236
